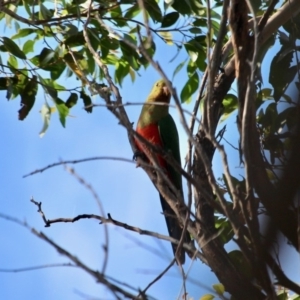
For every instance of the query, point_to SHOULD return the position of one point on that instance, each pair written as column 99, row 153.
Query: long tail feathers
column 175, row 230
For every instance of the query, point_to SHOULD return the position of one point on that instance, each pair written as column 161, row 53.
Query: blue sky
column 124, row 190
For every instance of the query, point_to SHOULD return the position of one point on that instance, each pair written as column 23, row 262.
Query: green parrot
column 157, row 126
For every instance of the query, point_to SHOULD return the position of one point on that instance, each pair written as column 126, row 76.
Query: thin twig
column 95, row 274
column 110, row 220
column 77, row 161
column 143, row 292
column 33, row 268
column 101, row 209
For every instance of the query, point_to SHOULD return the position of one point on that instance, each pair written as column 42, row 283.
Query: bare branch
column 110, row 220
column 101, row 209
column 33, row 268
column 157, row 278
column 97, row 275
column 77, row 161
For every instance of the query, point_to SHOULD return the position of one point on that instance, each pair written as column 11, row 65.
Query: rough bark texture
column 218, row 260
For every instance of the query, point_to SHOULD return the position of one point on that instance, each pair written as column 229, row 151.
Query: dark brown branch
column 52, row 20
column 266, row 15
column 282, row 279
column 284, row 211
column 100, row 277
column 110, row 220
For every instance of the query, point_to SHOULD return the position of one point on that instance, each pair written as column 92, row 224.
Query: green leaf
column 132, row 12
column 266, row 94
column 191, row 68
column 195, row 30
column 132, row 74
column 167, row 36
column 130, row 39
column 44, row 12
column 219, row 288
column 122, row 69
column 269, row 119
column 27, row 7
column 56, row 85
column 12, row 62
column 225, row 230
column 263, row 95
column 79, row 66
column 190, row 88
column 126, row 1
column 177, row 69
column 28, row 97
column 200, row 23
column 46, row 115
column 151, row 6
column 130, row 56
column 35, row 60
column 62, row 109
column 215, row 28
column 201, row 60
column 281, row 72
column 11, row 87
column 70, row 29
column 48, row 86
column 230, row 104
column 192, row 52
column 116, row 15
column 202, row 10
column 169, row 19
column 283, row 295
column 72, row 100
column 107, row 44
column 3, row 83
column 13, row 48
column 93, row 35
column 46, row 56
column 236, row 182
column 127, row 50
column 56, row 69
column 240, row 263
column 195, row 47
column 86, row 101
column 28, row 46
column 143, row 60
column 23, row 32
column 287, row 117
column 90, row 62
column 75, row 40
column 182, row 6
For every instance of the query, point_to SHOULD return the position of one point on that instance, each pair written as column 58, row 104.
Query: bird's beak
column 166, row 90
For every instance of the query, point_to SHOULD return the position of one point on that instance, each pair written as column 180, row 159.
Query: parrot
column 157, row 126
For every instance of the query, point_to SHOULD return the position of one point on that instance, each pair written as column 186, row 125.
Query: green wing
column 169, row 136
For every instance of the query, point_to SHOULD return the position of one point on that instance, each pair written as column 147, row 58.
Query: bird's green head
column 159, row 92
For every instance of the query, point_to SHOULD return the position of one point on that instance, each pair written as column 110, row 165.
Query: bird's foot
column 138, row 154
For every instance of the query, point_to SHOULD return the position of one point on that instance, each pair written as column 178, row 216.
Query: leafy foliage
column 90, row 41
column 64, row 51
